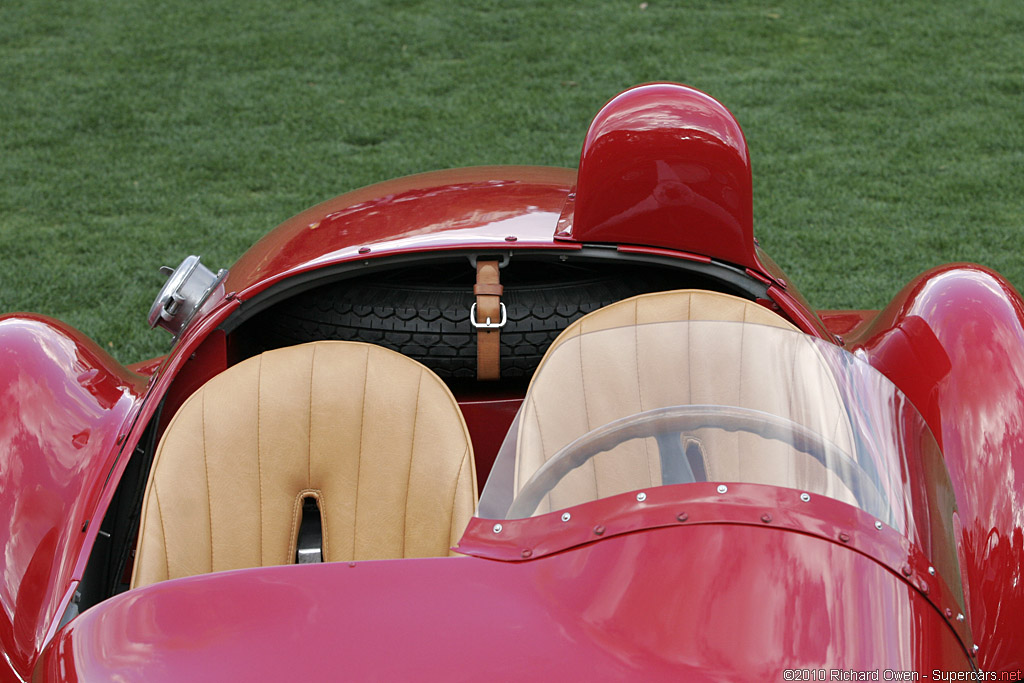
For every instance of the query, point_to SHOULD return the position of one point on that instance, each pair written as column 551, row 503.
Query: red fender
column 953, row 341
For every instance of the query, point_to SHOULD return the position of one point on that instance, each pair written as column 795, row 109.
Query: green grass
column 886, row 137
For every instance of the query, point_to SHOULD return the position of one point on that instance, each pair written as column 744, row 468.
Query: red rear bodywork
column 697, row 600
column 67, row 406
column 688, row 588
column 666, row 171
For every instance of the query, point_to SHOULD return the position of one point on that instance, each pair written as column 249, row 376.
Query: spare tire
column 430, row 322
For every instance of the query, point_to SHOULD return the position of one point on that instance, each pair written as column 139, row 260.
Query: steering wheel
column 667, row 425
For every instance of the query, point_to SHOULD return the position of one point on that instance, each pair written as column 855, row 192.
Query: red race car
column 522, row 422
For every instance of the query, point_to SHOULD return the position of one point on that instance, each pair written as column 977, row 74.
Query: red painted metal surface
column 703, row 603
column 488, row 419
column 796, row 309
column 701, row 503
column 658, row 251
column 463, row 208
column 146, row 368
column 70, row 410
column 787, row 302
column 845, row 322
column 725, row 599
column 953, row 340
column 664, row 165
column 66, row 405
column 207, row 360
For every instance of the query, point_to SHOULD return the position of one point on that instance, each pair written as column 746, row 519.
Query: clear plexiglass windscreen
column 633, row 407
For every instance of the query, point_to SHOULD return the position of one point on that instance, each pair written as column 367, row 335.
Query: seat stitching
column 543, row 450
column 689, row 351
column 309, row 424
column 309, row 452
column 206, row 466
column 293, row 531
column 412, row 453
column 324, row 534
column 163, row 531
column 741, row 457
column 841, row 416
column 586, row 410
column 455, row 495
column 359, row 455
column 690, row 317
column 259, row 449
column 640, row 387
column 794, row 403
column 540, row 432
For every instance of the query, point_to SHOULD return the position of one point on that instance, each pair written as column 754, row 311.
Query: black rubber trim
column 735, row 279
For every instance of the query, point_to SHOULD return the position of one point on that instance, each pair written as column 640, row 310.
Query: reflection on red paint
column 65, row 401
column 704, row 602
column 953, row 340
column 446, row 209
column 664, row 165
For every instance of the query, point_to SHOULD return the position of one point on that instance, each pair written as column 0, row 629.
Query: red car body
column 688, row 587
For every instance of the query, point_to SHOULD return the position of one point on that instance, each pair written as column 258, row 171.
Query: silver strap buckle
column 488, row 324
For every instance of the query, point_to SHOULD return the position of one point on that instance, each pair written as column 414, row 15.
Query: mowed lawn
column 887, row 137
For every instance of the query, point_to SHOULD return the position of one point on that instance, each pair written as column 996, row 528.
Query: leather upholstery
column 374, row 436
column 631, row 369
column 488, row 291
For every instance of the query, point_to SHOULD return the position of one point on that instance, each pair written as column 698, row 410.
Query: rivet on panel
column 844, row 537
column 905, row 569
column 566, row 516
column 682, row 516
column 931, row 571
column 599, row 529
column 497, row 528
column 511, row 238
column 351, row 564
column 878, row 525
column 641, row 496
column 364, row 250
column 766, row 518
column 527, row 553
column 805, row 497
column 960, row 617
column 949, row 613
column 923, row 585
column 722, row 488
column 974, row 649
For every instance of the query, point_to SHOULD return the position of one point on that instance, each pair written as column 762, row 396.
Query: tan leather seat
column 376, row 438
column 631, row 368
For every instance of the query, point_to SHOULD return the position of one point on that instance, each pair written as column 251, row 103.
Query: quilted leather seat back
column 376, row 438
column 596, row 379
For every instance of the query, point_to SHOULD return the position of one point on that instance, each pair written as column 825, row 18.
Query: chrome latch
column 488, row 324
column 187, row 288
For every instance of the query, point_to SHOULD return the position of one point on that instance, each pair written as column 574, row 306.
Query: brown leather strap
column 487, row 290
column 488, row 306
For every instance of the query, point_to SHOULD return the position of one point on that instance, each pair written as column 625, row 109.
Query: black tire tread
column 430, row 323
